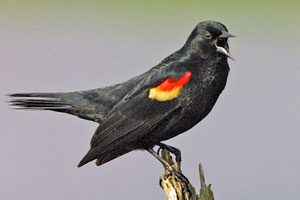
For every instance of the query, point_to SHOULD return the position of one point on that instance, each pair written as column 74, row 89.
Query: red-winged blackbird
column 155, row 106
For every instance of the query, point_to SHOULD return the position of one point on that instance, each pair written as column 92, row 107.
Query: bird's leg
column 174, row 151
column 162, row 161
column 173, row 171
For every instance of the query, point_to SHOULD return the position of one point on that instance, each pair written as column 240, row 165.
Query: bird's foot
column 183, row 180
column 179, row 176
column 176, row 152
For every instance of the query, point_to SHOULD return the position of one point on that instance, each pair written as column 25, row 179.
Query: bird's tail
column 39, row 101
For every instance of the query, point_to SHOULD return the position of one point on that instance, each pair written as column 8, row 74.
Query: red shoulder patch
column 170, row 84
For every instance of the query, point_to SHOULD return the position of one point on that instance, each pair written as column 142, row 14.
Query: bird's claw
column 182, row 179
column 179, row 176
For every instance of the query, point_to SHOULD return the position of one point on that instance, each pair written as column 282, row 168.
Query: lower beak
column 224, row 51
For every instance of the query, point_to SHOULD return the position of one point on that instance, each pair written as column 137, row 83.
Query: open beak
column 222, row 46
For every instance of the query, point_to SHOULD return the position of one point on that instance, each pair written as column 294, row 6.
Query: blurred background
column 249, row 144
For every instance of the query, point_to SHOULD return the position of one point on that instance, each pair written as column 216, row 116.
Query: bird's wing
column 158, row 74
column 139, row 114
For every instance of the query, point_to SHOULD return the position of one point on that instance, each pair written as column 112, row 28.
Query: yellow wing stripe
column 160, row 95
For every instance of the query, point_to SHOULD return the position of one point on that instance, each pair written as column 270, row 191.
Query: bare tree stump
column 176, row 189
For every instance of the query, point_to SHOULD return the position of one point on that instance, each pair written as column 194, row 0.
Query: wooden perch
column 176, row 189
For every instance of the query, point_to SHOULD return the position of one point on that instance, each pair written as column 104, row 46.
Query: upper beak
column 226, row 35
column 225, row 50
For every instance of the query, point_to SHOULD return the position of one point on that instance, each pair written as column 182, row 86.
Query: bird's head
column 210, row 37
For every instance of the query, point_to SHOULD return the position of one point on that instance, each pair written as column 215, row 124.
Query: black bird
column 157, row 105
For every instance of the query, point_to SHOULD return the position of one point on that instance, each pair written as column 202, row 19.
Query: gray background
column 249, row 144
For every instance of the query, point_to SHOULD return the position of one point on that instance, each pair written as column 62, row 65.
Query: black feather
column 134, row 120
column 38, row 101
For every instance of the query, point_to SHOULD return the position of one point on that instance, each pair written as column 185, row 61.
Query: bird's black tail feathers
column 39, row 101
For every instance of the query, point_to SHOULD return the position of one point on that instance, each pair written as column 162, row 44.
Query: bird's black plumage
column 163, row 102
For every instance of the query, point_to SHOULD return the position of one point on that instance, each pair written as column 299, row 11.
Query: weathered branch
column 177, row 189
column 205, row 191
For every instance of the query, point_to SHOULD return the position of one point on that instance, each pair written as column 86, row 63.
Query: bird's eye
column 208, row 35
